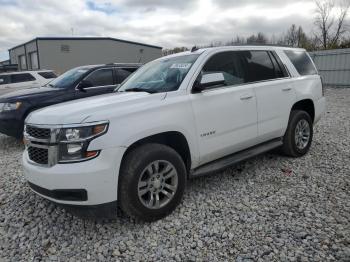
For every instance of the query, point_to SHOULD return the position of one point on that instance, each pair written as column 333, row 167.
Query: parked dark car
column 79, row 82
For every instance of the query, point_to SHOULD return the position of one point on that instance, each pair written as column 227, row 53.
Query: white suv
column 177, row 117
column 14, row 81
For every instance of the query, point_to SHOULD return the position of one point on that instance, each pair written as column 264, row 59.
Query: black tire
column 132, row 168
column 290, row 147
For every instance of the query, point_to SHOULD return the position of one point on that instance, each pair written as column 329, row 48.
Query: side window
column 259, row 66
column 101, row 77
column 123, row 73
column 229, row 63
column 301, row 62
column 280, row 69
column 47, row 75
column 18, row 78
column 4, row 79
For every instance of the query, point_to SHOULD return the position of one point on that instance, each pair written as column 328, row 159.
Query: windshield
column 160, row 76
column 68, row 78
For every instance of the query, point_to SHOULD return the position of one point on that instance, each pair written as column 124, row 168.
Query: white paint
column 215, row 122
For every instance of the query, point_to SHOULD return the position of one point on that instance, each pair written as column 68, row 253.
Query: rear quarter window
column 47, row 75
column 18, row 78
column 301, row 62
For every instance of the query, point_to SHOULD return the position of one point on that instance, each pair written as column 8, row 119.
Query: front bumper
column 88, row 183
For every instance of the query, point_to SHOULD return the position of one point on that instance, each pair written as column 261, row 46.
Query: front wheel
column 152, row 182
column 298, row 137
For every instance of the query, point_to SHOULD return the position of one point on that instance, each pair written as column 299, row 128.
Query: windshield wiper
column 136, row 89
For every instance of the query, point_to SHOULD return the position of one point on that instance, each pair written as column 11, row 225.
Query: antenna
column 141, row 52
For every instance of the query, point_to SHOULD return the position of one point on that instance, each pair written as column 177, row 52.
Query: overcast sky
column 167, row 23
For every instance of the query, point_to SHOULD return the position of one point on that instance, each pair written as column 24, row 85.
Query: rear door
column 274, row 92
column 102, row 80
column 226, row 117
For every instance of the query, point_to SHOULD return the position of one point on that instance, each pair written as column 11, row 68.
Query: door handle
column 286, row 89
column 246, row 97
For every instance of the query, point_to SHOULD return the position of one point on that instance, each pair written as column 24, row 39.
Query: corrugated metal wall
column 333, row 66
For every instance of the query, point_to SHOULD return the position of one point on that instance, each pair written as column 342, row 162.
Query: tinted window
column 123, row 73
column 4, row 79
column 259, row 66
column 101, row 77
column 18, row 78
column 47, row 75
column 228, row 63
column 301, row 62
column 280, row 70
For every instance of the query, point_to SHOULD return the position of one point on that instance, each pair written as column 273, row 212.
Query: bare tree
column 174, row 50
column 260, row 38
column 330, row 26
column 291, row 37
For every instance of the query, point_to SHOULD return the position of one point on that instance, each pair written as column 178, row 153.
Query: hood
column 27, row 93
column 103, row 107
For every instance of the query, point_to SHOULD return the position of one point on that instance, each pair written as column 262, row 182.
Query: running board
column 235, row 158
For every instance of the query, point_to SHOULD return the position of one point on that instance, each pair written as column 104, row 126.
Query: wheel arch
column 174, row 139
column 306, row 105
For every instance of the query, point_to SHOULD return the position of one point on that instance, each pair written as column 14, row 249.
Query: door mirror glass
column 209, row 81
column 1, row 81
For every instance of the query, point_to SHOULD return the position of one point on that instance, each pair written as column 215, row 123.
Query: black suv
column 79, row 82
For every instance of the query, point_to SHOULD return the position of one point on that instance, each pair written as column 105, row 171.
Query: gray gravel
column 270, row 208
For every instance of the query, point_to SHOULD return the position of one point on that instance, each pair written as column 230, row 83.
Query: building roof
column 86, row 38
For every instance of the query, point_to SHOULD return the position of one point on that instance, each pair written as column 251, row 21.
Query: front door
column 101, row 81
column 226, row 116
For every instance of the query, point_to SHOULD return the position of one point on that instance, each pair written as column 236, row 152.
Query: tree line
column 330, row 31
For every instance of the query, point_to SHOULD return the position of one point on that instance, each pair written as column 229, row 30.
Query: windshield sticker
column 181, row 66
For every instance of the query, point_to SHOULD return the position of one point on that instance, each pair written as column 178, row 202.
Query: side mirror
column 209, row 81
column 84, row 84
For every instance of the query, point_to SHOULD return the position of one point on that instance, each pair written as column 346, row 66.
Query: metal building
column 333, row 66
column 63, row 53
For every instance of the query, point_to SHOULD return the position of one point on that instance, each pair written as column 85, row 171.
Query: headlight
column 10, row 106
column 74, row 142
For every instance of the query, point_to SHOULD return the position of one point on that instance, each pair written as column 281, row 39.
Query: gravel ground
column 270, row 208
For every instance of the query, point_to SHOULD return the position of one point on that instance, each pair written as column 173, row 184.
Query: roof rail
column 125, row 64
column 194, row 48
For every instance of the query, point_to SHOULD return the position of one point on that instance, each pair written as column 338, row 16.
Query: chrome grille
column 38, row 155
column 40, row 133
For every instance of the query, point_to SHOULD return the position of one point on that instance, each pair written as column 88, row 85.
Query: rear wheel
column 152, row 182
column 298, row 137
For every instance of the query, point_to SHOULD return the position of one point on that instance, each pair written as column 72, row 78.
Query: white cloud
column 167, row 23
